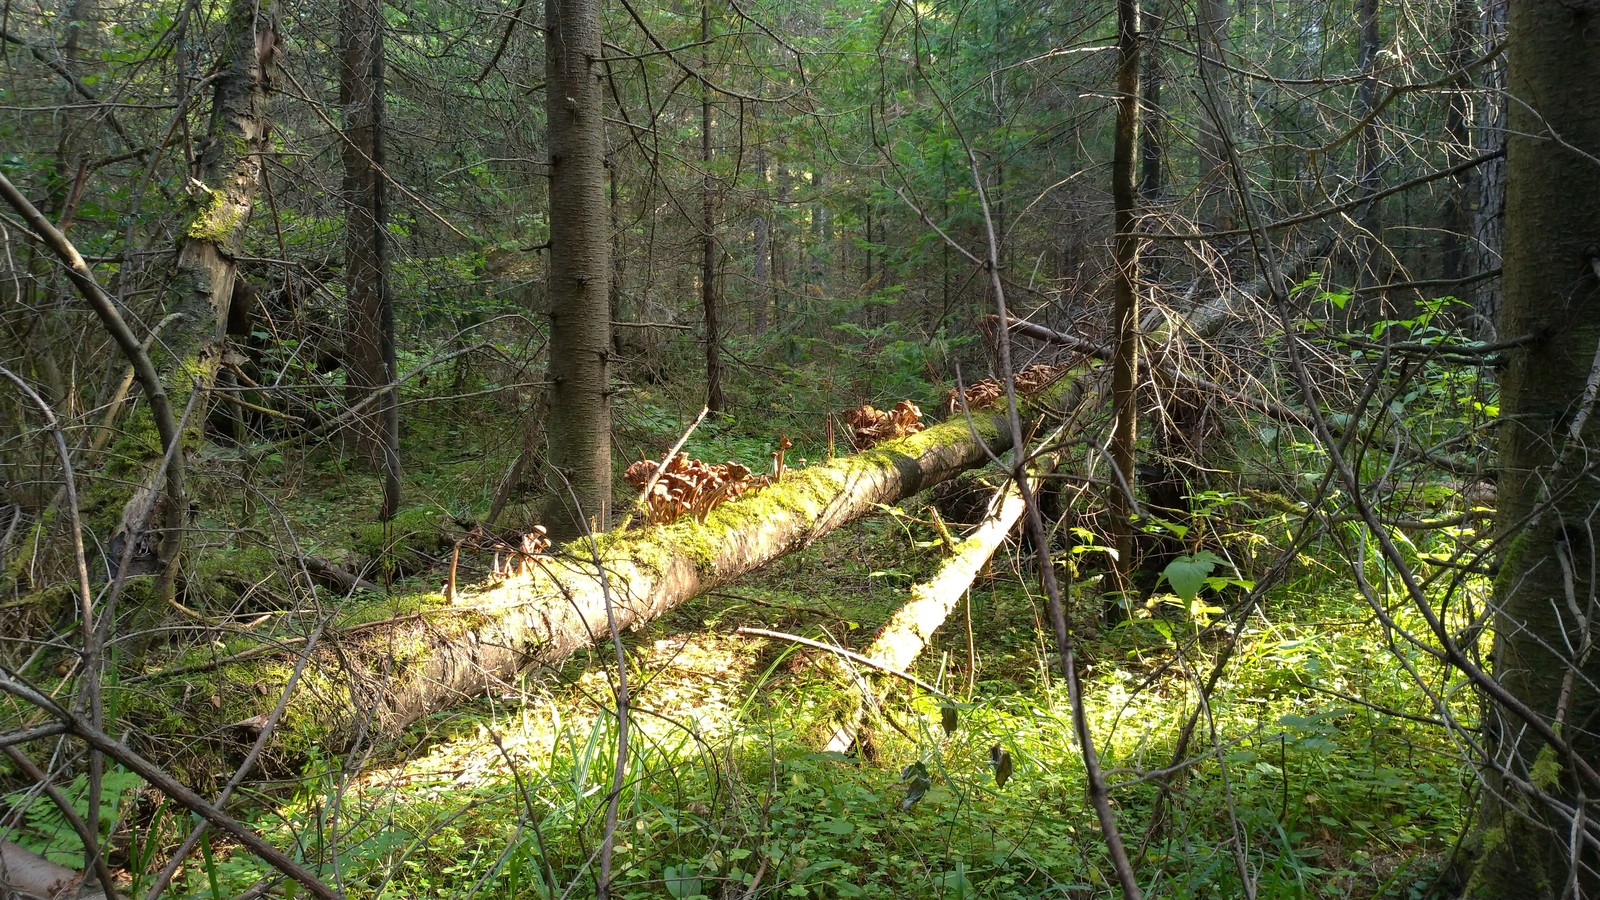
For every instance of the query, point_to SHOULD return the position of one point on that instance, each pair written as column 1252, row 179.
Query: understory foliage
column 820, row 215
column 1324, row 762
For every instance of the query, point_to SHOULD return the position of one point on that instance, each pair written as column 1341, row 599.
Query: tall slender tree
column 369, row 357
column 708, row 227
column 1125, row 281
column 579, row 424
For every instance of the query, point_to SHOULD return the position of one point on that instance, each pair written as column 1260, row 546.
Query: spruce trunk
column 1538, row 832
column 579, row 425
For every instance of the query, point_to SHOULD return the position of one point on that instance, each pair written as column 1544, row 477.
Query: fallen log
column 24, row 873
column 372, row 682
column 902, row 638
column 1266, row 407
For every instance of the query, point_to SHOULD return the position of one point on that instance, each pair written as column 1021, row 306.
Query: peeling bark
column 231, row 161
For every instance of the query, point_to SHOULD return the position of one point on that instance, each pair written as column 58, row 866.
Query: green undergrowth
column 1316, row 768
column 1299, row 772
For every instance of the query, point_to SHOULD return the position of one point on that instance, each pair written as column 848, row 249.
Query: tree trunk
column 1125, row 311
column 1458, row 148
column 708, row 228
column 1217, row 113
column 1546, row 592
column 908, row 631
column 761, row 246
column 369, row 359
column 231, row 159
column 782, row 268
column 1368, row 149
column 818, row 254
column 1489, row 179
column 558, row 605
column 1150, row 143
column 579, row 427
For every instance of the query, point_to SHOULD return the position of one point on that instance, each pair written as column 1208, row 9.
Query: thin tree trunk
column 1214, row 18
column 1150, row 82
column 782, row 266
column 1489, row 181
column 817, row 256
column 369, row 358
column 1457, row 222
column 1368, row 148
column 708, row 235
column 1125, row 281
column 761, row 247
column 579, row 428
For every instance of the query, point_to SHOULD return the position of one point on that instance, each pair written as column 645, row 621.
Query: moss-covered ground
column 1298, row 777
column 1319, row 765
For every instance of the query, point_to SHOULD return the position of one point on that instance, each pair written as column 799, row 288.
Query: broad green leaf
column 1187, row 574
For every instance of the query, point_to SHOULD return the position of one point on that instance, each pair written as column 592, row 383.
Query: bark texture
column 1538, row 832
column 1489, row 181
column 579, row 425
column 231, row 159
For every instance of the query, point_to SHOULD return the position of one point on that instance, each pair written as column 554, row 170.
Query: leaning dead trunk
column 231, row 160
column 378, row 678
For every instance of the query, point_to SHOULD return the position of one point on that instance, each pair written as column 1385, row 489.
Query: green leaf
column 681, row 881
column 837, row 826
column 949, row 719
column 1187, row 574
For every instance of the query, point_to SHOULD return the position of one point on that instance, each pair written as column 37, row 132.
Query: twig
column 90, row 664
column 83, row 279
column 91, row 840
column 166, row 784
column 239, row 775
column 620, row 773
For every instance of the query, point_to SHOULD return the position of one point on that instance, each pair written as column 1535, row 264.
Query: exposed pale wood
column 25, row 874
column 908, row 631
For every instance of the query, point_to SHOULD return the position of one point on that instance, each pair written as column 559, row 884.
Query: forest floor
column 1319, row 765
column 1318, row 768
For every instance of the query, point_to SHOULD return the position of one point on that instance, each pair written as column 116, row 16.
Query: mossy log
column 373, row 680
column 908, row 631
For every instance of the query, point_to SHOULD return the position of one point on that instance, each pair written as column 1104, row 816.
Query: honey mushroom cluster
column 690, row 486
column 869, row 426
column 988, row 392
column 513, row 558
